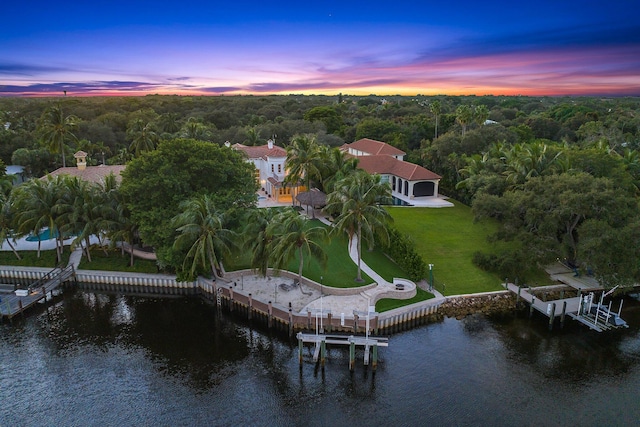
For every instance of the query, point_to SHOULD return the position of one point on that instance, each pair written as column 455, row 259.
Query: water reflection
column 574, row 354
column 179, row 335
column 101, row 359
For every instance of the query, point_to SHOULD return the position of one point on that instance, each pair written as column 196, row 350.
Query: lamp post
column 431, row 277
column 321, row 293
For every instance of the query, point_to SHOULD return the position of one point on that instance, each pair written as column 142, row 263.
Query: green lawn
column 30, row 258
column 387, row 304
column 448, row 238
column 381, row 264
column 114, row 261
column 340, row 271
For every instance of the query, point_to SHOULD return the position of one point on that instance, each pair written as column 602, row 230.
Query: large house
column 410, row 183
column 269, row 161
column 95, row 174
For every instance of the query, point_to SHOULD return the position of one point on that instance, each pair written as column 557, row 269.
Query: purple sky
column 400, row 47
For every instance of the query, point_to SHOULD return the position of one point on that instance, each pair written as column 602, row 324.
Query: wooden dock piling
column 352, row 355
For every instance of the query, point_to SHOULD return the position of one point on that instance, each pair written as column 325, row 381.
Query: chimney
column 81, row 160
column 227, row 144
column 270, row 144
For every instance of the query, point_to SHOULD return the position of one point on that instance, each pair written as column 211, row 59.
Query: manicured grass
column 448, row 238
column 387, row 304
column 340, row 271
column 30, row 258
column 381, row 264
column 114, row 261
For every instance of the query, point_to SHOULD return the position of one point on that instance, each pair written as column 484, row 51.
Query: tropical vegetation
column 559, row 176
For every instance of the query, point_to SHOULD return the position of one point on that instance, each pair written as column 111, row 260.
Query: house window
column 272, row 168
column 279, row 168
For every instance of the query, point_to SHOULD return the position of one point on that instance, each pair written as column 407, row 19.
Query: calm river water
column 109, row 360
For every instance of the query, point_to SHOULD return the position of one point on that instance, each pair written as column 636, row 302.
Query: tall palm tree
column 252, row 135
column 195, row 129
column 40, row 204
column 258, row 237
column 357, row 198
column 436, row 109
column 464, row 114
column 480, row 114
column 302, row 160
column 201, row 228
column 168, row 123
column 142, row 135
column 56, row 130
column 336, row 165
column 84, row 207
column 118, row 224
column 292, row 236
column 6, row 222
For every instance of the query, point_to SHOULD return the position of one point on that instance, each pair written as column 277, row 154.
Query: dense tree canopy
column 527, row 140
column 155, row 184
column 547, row 216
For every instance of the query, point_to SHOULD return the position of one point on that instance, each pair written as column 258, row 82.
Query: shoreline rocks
column 462, row 306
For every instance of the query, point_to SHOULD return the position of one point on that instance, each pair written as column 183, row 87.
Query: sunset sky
column 326, row 47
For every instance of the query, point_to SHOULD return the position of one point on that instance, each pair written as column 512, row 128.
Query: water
column 399, row 202
column 106, row 360
column 43, row 235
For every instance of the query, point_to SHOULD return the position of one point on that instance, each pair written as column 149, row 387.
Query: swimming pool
column 45, row 234
column 399, row 202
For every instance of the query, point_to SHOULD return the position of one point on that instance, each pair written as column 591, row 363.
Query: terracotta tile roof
column 260, row 151
column 374, row 147
column 95, row 174
column 385, row 164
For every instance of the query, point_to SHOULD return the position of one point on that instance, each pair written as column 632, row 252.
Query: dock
column 320, row 342
column 15, row 303
column 578, row 308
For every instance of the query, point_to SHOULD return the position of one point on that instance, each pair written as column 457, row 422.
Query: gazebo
column 314, row 198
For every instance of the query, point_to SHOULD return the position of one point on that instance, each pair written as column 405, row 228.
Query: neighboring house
column 17, row 173
column 95, row 174
column 269, row 161
column 409, row 182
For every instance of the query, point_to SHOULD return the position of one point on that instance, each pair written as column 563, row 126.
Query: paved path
column 361, row 301
column 75, row 258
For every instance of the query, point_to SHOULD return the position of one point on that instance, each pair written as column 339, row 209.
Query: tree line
column 575, row 160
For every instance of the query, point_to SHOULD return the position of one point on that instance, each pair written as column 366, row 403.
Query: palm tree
column 336, row 165
column 436, row 109
column 252, row 134
column 6, row 223
column 357, row 198
column 143, row 136
column 480, row 114
column 118, row 224
column 84, row 207
column 168, row 123
column 40, row 204
column 202, row 228
column 56, row 130
column 258, row 238
column 195, row 129
column 302, row 159
column 292, row 236
column 464, row 114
